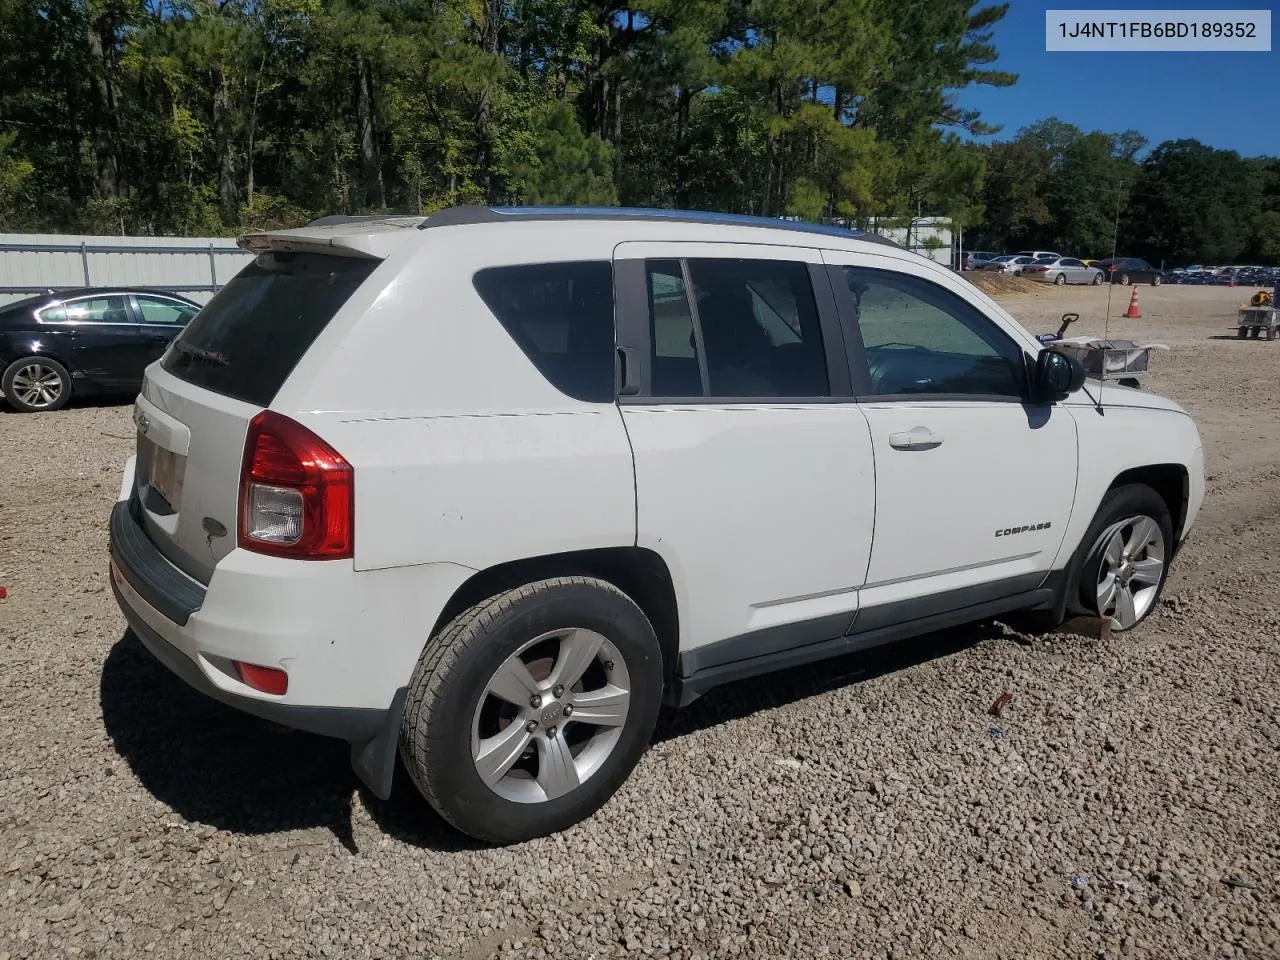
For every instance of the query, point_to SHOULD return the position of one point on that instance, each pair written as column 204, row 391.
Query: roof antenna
column 1106, row 321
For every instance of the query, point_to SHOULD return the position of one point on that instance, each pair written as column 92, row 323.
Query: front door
column 754, row 477
column 105, row 341
column 974, row 485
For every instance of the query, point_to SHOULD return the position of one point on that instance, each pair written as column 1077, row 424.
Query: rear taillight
column 297, row 494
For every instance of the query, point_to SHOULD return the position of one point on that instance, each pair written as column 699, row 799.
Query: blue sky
column 1226, row 100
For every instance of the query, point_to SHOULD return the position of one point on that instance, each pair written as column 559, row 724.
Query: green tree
column 567, row 166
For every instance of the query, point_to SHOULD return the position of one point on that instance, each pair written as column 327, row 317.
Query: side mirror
column 1057, row 375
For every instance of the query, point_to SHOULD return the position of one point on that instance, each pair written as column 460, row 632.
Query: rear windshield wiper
column 200, row 354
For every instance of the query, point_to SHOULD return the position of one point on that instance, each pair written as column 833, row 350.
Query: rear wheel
column 1155, row 281
column 1271, row 333
column 1124, row 279
column 1060, row 279
column 528, row 711
column 36, row 384
column 1242, row 332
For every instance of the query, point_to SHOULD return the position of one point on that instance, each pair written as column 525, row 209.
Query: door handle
column 160, row 337
column 917, row 438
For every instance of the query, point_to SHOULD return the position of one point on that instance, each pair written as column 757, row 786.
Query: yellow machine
column 1263, row 298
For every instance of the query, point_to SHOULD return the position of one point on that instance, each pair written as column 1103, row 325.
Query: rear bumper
column 354, row 724
column 347, row 640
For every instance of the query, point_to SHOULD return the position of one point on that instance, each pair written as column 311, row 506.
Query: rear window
column 561, row 316
column 246, row 341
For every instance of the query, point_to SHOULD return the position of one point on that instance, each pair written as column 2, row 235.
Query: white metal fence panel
column 32, row 263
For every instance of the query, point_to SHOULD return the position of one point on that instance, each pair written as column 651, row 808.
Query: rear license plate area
column 161, row 471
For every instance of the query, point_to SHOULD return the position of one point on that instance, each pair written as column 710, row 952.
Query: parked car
column 568, row 494
column 1010, row 263
column 1062, row 270
column 88, row 340
column 976, row 258
column 1127, row 270
column 1039, row 254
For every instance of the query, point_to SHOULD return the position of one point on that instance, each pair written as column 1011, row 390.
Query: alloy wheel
column 550, row 716
column 37, row 385
column 1131, row 570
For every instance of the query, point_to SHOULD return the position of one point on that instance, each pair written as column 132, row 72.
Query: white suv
column 488, row 487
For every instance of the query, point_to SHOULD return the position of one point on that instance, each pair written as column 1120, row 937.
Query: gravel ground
column 1127, row 802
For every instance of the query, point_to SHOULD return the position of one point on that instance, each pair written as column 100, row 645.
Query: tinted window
column 740, row 328
column 162, row 310
column 923, row 339
column 561, row 315
column 675, row 368
column 249, row 337
column 1072, row 263
column 89, row 310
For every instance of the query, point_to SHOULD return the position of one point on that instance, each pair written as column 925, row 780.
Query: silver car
column 1060, row 270
column 1010, row 263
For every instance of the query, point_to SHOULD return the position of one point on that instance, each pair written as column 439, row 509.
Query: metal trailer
column 1123, row 361
column 1258, row 321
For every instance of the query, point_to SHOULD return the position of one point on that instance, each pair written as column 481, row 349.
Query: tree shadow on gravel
column 741, row 699
column 215, row 765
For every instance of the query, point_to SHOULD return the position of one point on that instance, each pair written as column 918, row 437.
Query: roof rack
column 474, row 214
column 338, row 218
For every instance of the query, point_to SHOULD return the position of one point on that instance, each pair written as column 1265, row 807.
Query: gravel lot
column 1126, row 803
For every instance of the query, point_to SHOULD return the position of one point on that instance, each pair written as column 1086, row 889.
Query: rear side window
column 735, row 328
column 249, row 337
column 561, row 316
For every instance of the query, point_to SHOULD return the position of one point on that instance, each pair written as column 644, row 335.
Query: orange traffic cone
column 1133, row 313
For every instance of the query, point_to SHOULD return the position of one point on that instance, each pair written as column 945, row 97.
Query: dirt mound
column 1000, row 285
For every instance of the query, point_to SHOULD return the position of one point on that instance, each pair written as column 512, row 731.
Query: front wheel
column 1127, row 555
column 1156, row 281
column 529, row 710
column 1097, row 279
column 1124, row 279
column 36, row 385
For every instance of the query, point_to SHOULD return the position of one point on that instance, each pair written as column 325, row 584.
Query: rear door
column 161, row 319
column 974, row 484
column 1075, row 270
column 754, row 477
column 226, row 366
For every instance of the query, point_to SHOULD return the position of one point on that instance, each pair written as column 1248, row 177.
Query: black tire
column 1271, row 333
column 1082, row 569
column 1255, row 332
column 1097, row 279
column 1124, row 279
column 1242, row 332
column 1060, row 279
column 450, row 681
column 1130, row 500
column 1156, row 281
column 22, row 366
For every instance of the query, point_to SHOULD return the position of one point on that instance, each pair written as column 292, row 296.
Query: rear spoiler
column 370, row 238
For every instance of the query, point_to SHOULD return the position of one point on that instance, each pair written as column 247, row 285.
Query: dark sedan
column 1127, row 270
column 84, row 341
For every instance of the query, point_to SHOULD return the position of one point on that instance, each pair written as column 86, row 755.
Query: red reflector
column 266, row 679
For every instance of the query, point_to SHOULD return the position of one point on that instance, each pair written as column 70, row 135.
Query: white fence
column 195, row 267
